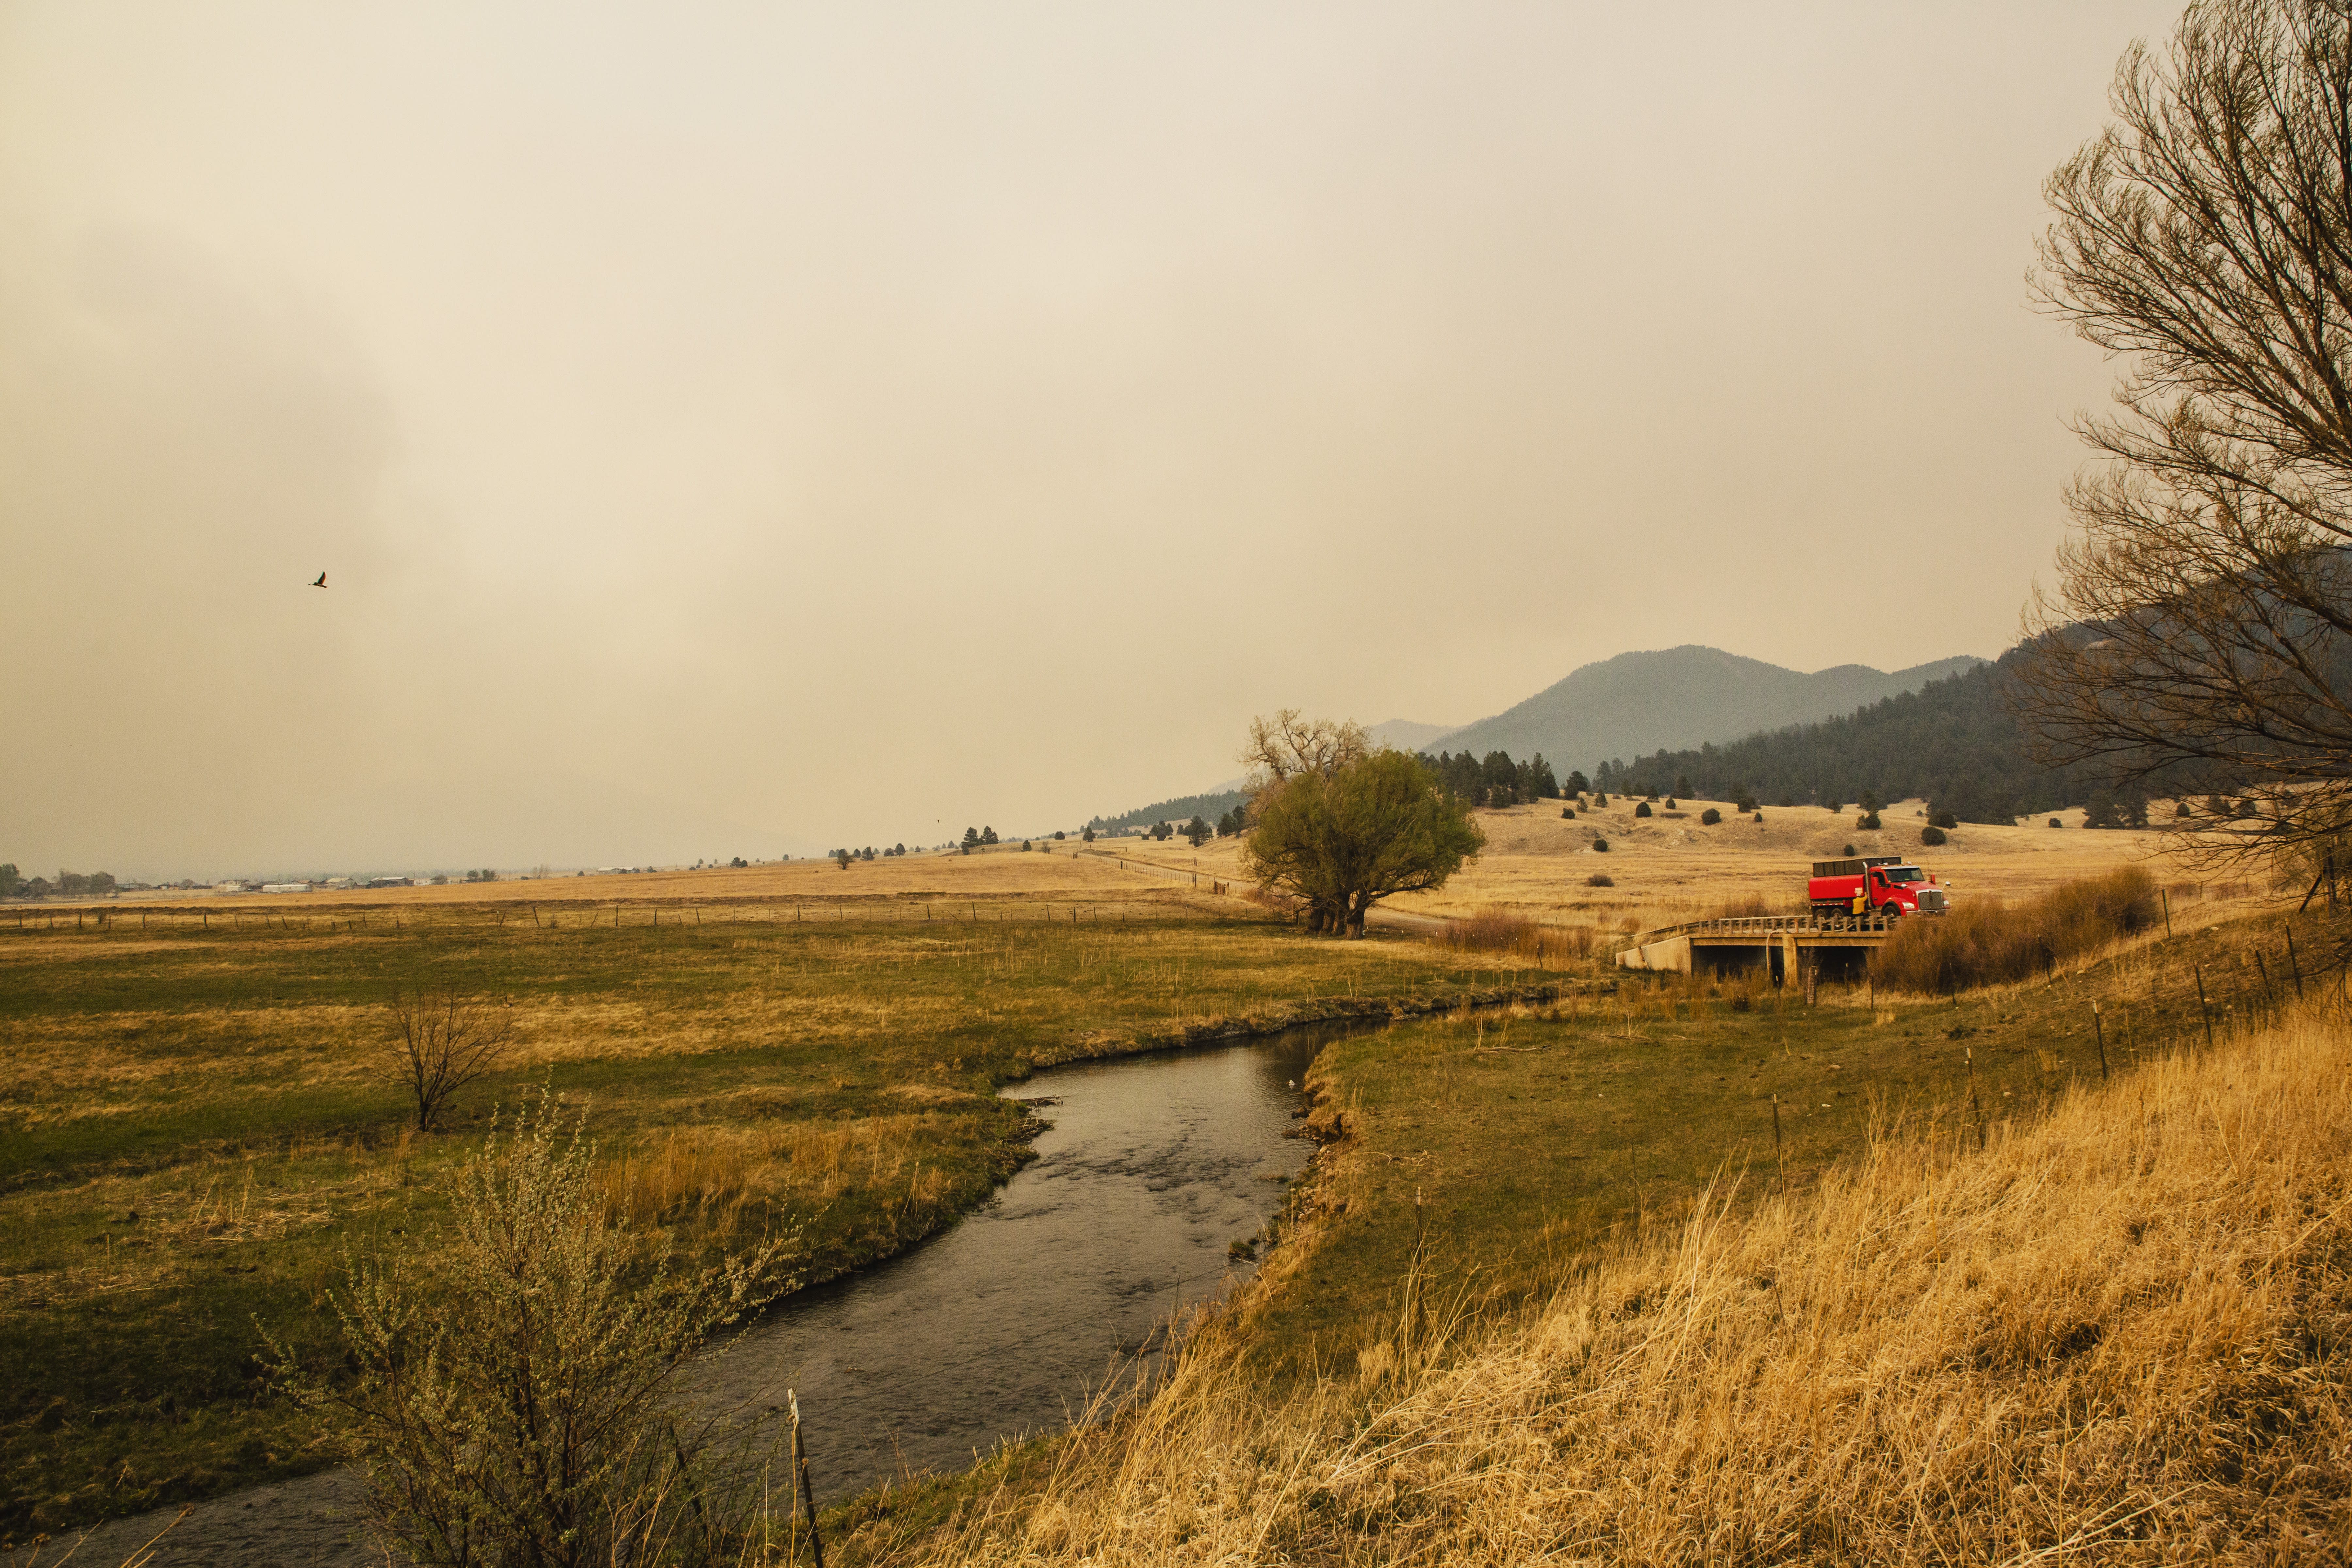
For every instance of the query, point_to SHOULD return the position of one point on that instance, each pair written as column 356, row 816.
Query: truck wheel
column 1890, row 911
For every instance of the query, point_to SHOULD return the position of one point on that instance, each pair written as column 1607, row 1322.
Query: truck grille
column 1931, row 901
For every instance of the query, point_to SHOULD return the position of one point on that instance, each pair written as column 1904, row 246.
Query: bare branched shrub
column 512, row 1389
column 1984, row 942
column 442, row 1041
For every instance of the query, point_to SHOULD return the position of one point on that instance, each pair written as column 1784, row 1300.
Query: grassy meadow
column 1483, row 1169
column 195, row 1123
column 2111, row 1334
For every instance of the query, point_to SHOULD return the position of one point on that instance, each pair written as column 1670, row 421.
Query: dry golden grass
column 1669, row 870
column 1068, row 870
column 2121, row 1335
column 1991, row 941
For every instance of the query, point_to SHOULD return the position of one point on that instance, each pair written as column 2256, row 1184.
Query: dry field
column 1672, row 869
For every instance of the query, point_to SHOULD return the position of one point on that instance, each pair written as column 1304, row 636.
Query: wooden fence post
column 1975, row 1108
column 801, row 1482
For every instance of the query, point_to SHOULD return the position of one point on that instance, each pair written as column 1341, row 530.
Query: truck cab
column 1886, row 886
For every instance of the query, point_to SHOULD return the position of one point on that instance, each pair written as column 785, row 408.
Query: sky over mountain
column 740, row 429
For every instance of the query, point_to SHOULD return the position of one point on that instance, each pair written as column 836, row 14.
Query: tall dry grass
column 1989, row 941
column 1499, row 931
column 2123, row 1335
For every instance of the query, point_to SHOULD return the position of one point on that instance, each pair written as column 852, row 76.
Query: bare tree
column 1286, row 746
column 441, row 1042
column 2199, row 636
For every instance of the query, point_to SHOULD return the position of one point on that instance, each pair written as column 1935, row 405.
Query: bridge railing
column 1773, row 925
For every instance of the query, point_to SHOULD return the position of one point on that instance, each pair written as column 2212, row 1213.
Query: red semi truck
column 1883, row 885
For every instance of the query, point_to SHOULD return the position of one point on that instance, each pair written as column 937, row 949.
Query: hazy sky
column 737, row 430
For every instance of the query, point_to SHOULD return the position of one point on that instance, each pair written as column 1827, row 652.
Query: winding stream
column 998, row 1328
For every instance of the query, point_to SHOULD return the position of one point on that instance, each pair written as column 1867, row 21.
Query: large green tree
column 1340, row 841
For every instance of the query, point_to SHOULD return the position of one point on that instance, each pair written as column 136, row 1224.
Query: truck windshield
column 1903, row 874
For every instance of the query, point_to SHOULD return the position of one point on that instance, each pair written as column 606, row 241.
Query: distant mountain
column 1678, row 698
column 1409, row 734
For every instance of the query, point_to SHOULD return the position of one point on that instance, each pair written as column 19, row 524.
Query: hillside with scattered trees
column 1953, row 742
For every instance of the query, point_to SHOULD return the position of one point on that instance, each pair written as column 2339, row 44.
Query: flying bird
column 321, row 582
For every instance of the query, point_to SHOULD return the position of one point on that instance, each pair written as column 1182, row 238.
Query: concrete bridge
column 1789, row 947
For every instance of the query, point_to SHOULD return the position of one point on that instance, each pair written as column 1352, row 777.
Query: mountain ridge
column 1678, row 698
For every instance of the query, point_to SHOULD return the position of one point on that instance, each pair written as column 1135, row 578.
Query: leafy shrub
column 515, row 1387
column 1939, row 817
column 2056, row 822
column 1643, row 809
column 1568, row 814
column 1600, row 847
column 1759, row 817
column 1601, row 879
column 1985, row 943
column 1850, row 851
column 1931, row 835
column 1710, row 817
column 1869, row 822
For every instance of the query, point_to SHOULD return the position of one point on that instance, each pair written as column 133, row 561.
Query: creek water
column 1062, row 1285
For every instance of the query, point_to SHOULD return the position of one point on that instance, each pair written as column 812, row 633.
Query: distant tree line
column 68, row 885
column 1494, row 779
column 1953, row 742
column 1216, row 805
column 842, row 858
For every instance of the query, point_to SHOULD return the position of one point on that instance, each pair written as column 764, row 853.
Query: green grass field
column 195, row 1125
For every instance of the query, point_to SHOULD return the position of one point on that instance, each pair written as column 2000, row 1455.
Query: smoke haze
column 741, row 430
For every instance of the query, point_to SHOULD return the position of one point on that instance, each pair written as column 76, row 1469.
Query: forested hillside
column 1678, row 697
column 1182, row 809
column 1952, row 742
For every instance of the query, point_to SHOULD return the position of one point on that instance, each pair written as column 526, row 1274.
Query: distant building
column 390, row 882
column 285, row 887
